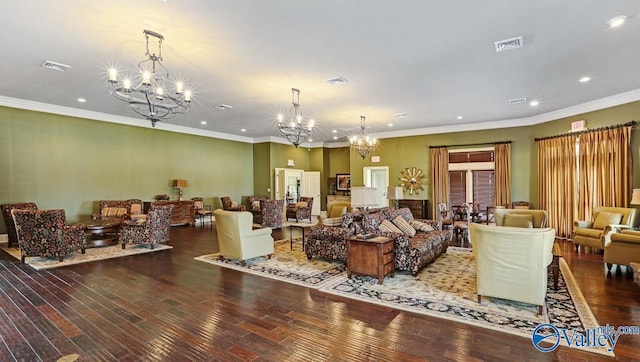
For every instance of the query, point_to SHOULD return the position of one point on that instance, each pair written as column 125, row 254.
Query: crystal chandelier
column 149, row 95
column 295, row 128
column 361, row 141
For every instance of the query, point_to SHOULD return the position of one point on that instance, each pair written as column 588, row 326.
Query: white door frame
column 366, row 176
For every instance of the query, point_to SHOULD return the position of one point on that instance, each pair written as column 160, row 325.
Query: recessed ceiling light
column 335, row 137
column 616, row 21
column 82, row 100
column 534, row 103
column 243, row 130
column 310, row 140
column 584, row 79
column 390, row 125
column 459, row 117
column 203, row 122
column 334, row 131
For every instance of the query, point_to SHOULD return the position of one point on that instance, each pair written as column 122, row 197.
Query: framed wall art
column 343, row 182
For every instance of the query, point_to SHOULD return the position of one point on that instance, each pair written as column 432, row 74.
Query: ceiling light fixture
column 361, row 141
column 617, row 21
column 534, row 103
column 584, row 79
column 295, row 128
column 150, row 97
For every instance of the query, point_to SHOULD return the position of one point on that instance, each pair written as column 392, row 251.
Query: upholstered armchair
column 301, row 209
column 623, row 248
column 202, row 210
column 335, row 210
column 156, row 228
column 45, row 233
column 512, row 262
column 520, row 218
column 521, row 205
column 255, row 208
column 593, row 233
column 229, row 205
column 237, row 239
column 271, row 213
column 8, row 218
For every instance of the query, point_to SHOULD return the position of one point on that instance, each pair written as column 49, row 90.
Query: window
column 472, row 177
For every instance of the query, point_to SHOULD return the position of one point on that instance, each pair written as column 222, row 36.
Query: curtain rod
column 474, row 144
column 632, row 123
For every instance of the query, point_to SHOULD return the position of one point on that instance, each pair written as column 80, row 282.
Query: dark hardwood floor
column 167, row 306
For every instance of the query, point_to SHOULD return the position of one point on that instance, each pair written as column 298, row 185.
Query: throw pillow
column 255, row 205
column 136, row 209
column 420, row 226
column 518, row 220
column 301, row 204
column 605, row 218
column 337, row 211
column 403, row 225
column 113, row 211
column 234, row 204
column 388, row 226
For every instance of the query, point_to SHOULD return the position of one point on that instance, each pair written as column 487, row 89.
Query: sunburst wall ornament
column 412, row 180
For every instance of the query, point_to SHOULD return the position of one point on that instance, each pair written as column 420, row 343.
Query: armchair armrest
column 616, row 228
column 631, row 232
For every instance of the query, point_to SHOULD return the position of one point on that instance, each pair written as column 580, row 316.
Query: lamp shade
column 180, row 183
column 635, row 197
column 394, row 193
column 363, row 196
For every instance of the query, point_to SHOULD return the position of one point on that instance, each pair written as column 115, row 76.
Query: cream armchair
column 512, row 262
column 623, row 248
column 520, row 217
column 236, row 238
column 593, row 233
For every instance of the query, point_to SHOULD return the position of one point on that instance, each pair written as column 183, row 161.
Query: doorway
column 378, row 177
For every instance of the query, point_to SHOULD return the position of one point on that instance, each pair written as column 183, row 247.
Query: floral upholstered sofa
column 411, row 253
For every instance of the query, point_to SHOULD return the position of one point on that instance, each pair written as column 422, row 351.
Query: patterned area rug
column 287, row 265
column 444, row 289
column 92, row 254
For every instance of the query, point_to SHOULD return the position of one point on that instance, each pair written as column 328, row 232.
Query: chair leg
column 609, row 266
column 22, row 259
column 479, row 299
column 60, row 257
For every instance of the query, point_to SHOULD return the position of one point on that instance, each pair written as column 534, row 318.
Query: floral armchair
column 155, row 229
column 45, row 233
column 229, row 205
column 301, row 209
column 271, row 213
column 256, row 208
column 8, row 218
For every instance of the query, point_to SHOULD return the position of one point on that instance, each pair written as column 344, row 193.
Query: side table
column 374, row 257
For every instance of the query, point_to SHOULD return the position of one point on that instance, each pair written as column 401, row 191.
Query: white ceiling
column 431, row 59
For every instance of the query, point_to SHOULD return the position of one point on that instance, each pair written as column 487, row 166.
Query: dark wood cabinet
column 419, row 208
column 184, row 212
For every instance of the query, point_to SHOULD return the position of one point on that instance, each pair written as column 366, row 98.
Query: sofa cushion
column 605, row 218
column 420, row 226
column 387, row 226
column 518, row 220
column 113, row 211
column 337, row 211
column 332, row 221
column 404, row 226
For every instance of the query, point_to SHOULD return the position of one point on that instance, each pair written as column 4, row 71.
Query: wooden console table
column 184, row 212
column 374, row 257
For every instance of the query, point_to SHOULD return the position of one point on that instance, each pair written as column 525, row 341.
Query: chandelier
column 361, row 141
column 148, row 94
column 295, row 128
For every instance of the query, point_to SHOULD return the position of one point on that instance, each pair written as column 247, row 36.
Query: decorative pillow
column 518, row 220
column 136, row 209
column 388, row 226
column 234, row 204
column 113, row 211
column 337, row 211
column 301, row 204
column 255, row 205
column 420, row 226
column 403, row 225
column 332, row 221
column 605, row 218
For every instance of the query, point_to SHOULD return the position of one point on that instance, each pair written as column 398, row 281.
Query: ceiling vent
column 508, row 44
column 55, row 66
column 401, row 115
column 223, row 106
column 337, row 80
column 517, row 100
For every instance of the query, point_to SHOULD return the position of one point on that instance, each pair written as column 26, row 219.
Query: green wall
column 72, row 163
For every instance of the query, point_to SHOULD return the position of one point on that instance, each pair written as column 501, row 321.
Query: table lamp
column 635, row 197
column 180, row 184
column 394, row 193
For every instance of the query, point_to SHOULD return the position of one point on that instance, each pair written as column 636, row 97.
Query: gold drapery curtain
column 579, row 171
column 502, row 169
column 440, row 175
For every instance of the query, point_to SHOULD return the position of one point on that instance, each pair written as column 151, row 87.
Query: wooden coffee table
column 102, row 232
column 374, row 257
